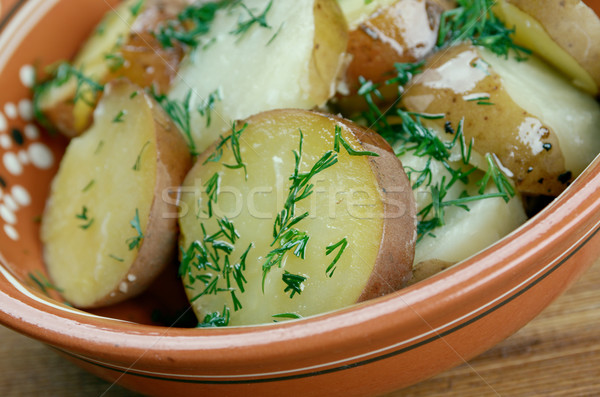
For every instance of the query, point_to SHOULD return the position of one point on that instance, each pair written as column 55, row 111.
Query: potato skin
column 403, row 32
column 394, row 263
column 144, row 62
column 495, row 129
column 559, row 18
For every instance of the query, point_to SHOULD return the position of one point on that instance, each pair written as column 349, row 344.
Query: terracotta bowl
column 367, row 349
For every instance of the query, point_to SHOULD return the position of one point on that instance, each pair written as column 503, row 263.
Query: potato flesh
column 346, row 203
column 573, row 115
column 260, row 70
column 531, row 34
column 357, row 11
column 464, row 232
column 97, row 173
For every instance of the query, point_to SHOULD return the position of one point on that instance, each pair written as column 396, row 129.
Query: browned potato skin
column 559, row 18
column 533, row 174
column 159, row 246
column 426, row 269
column 394, row 263
column 385, row 38
column 147, row 63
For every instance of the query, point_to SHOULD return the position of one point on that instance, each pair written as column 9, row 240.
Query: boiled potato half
column 242, row 68
column 122, row 45
column 294, row 213
column 108, row 228
column 563, row 32
column 466, row 230
column 385, row 32
column 543, row 129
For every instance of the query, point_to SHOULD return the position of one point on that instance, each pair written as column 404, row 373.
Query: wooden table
column 557, row 354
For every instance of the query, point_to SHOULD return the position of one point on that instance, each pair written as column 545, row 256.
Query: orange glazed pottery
column 367, row 349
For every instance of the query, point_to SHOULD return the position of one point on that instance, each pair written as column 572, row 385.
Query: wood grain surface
column 557, row 354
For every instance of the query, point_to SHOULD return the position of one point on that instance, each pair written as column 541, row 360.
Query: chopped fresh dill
column 138, row 162
column 206, row 107
column 284, row 233
column 216, row 319
column 474, row 20
column 191, row 24
column 115, row 61
column 501, row 181
column 87, row 89
column 212, row 191
column 244, row 26
column 137, row 7
column 179, row 112
column 342, row 244
column 119, row 118
column 133, row 94
column 276, row 33
column 293, row 316
column 228, row 229
column 234, row 142
column 116, row 258
column 351, row 151
column 99, row 147
column 84, row 217
column 294, row 283
column 42, row 282
column 88, row 186
column 134, row 242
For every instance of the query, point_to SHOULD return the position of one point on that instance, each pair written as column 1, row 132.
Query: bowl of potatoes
column 338, row 197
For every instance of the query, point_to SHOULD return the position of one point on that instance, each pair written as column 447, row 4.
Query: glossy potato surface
column 292, row 62
column 363, row 200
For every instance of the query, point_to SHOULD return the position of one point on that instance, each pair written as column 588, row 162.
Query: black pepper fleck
column 17, row 136
column 566, row 177
column 541, row 180
column 448, row 128
column 547, row 146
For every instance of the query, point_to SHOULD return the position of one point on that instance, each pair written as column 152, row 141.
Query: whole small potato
column 281, row 221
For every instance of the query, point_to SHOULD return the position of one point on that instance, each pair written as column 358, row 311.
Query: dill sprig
column 285, row 235
column 138, row 162
column 84, row 217
column 192, row 22
column 208, row 261
column 232, row 141
column 179, row 112
column 339, row 139
column 134, row 242
column 216, row 319
column 260, row 20
column 207, row 106
column 212, row 191
column 294, row 283
column 474, row 20
column 342, row 244
column 42, row 282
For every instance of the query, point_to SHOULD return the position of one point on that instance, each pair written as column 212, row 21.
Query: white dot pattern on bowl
column 10, row 109
column 19, row 154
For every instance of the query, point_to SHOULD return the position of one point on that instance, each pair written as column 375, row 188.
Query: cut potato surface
column 361, row 211
column 293, row 61
column 122, row 45
column 564, row 33
column 106, row 228
column 541, row 128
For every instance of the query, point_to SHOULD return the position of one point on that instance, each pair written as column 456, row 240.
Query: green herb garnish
column 179, row 112
column 119, row 118
column 294, row 283
column 136, row 8
column 84, row 217
column 342, row 244
column 134, row 242
column 138, row 162
column 216, row 319
column 260, row 20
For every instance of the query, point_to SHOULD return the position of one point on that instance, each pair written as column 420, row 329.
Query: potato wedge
column 242, row 69
column 386, row 32
column 122, row 45
column 564, row 33
column 281, row 252
column 106, row 228
column 542, row 128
